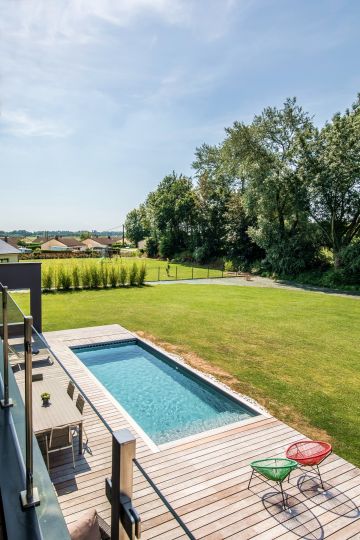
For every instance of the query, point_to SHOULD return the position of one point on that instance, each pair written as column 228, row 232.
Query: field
column 155, row 269
column 297, row 353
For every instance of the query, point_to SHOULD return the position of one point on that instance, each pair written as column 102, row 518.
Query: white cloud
column 20, row 123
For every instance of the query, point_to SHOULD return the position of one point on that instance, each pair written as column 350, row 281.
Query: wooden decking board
column 205, row 477
column 255, row 527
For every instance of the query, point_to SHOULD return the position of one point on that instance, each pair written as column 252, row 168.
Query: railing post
column 6, row 402
column 30, row 496
column 119, row 490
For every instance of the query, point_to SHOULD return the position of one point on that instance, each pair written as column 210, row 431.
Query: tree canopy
column 275, row 192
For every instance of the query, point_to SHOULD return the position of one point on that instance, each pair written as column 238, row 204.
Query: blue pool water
column 167, row 401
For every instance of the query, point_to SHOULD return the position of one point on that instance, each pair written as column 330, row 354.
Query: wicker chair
column 274, row 469
column 309, row 453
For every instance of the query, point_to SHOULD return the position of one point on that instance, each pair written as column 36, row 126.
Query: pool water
column 166, row 400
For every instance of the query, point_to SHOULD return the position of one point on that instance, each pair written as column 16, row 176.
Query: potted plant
column 45, row 396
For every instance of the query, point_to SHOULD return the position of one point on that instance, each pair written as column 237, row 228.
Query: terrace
column 191, row 488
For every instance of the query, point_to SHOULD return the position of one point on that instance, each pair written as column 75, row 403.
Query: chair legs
column 252, row 473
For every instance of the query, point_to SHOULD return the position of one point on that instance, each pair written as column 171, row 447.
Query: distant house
column 141, row 244
column 8, row 253
column 101, row 243
column 60, row 244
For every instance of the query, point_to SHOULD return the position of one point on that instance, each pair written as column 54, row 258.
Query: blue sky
column 100, row 99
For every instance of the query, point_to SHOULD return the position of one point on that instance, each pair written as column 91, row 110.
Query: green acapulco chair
column 275, row 469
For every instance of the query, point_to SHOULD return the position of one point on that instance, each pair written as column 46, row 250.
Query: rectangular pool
column 164, row 398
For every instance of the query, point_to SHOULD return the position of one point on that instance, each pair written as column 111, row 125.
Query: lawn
column 156, row 269
column 296, row 352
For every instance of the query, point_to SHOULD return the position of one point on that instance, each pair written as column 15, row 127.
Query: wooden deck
column 204, row 479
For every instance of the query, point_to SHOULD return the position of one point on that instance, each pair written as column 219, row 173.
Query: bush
column 141, row 275
column 229, row 266
column 48, row 279
column 113, row 278
column 76, row 276
column 349, row 259
column 200, row 254
column 86, row 277
column 133, row 275
column 94, row 277
column 104, row 274
column 64, row 279
column 151, row 247
column 123, row 275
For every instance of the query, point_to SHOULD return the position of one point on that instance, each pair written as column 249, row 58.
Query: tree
column 136, row 225
column 171, row 211
column 213, row 191
column 268, row 156
column 331, row 169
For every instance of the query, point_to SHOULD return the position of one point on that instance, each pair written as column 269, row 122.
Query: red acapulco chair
column 309, row 454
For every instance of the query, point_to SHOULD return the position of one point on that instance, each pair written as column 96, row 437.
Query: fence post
column 222, row 273
column 159, row 273
column 125, row 521
column 208, row 272
column 192, row 272
column 6, row 402
column 30, row 496
column 176, row 273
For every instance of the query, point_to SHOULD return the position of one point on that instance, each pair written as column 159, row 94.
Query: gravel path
column 257, row 281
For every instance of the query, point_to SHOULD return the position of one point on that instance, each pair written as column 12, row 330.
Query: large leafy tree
column 136, row 225
column 331, row 168
column 268, row 156
column 171, row 211
column 213, row 190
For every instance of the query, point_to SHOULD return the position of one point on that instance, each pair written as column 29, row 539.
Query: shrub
column 104, row 275
column 141, row 275
column 200, row 254
column 151, row 247
column 86, row 277
column 113, row 278
column 229, row 266
column 133, row 275
column 123, row 275
column 48, row 279
column 64, row 279
column 94, row 276
column 76, row 276
column 349, row 259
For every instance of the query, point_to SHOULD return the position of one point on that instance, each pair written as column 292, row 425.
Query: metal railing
column 27, row 513
column 125, row 520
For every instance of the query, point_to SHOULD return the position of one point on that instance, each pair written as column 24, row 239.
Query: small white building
column 8, row 253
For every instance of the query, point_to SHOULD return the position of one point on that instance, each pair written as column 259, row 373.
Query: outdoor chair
column 309, row 453
column 17, row 358
column 60, row 439
column 80, row 404
column 274, row 469
column 71, row 389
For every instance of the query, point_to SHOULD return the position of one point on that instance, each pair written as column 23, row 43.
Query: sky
column 100, row 99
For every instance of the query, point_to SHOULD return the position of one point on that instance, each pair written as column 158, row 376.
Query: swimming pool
column 167, row 400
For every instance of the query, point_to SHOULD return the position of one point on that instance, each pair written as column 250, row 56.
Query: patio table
column 61, row 410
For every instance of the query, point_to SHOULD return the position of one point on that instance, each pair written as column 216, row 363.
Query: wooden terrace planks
column 205, row 478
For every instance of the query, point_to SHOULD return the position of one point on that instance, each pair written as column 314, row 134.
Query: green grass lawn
column 156, row 269
column 295, row 352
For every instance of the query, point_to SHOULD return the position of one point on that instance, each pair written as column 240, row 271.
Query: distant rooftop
column 6, row 248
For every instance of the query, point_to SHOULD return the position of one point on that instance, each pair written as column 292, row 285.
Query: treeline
column 93, row 276
column 278, row 194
